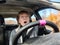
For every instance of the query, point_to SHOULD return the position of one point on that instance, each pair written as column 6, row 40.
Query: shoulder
column 15, row 30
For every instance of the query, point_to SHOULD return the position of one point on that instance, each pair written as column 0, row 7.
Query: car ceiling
column 11, row 7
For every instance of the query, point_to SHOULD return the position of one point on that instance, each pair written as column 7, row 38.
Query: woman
column 23, row 18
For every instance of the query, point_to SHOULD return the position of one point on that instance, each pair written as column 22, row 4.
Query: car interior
column 10, row 9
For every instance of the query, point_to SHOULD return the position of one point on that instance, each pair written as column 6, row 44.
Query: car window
column 50, row 14
column 33, row 18
column 10, row 20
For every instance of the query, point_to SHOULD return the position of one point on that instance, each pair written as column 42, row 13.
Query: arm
column 11, row 37
column 13, row 33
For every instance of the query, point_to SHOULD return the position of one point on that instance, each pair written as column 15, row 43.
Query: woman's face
column 24, row 19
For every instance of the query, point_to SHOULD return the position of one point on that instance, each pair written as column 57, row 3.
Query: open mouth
column 25, row 21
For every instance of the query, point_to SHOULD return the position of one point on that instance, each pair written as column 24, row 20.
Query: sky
column 56, row 0
column 46, row 12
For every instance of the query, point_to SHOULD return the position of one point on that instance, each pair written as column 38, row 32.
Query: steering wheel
column 32, row 24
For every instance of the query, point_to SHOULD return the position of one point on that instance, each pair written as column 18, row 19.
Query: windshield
column 50, row 14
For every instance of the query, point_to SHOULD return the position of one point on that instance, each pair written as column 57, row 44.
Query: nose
column 25, row 18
